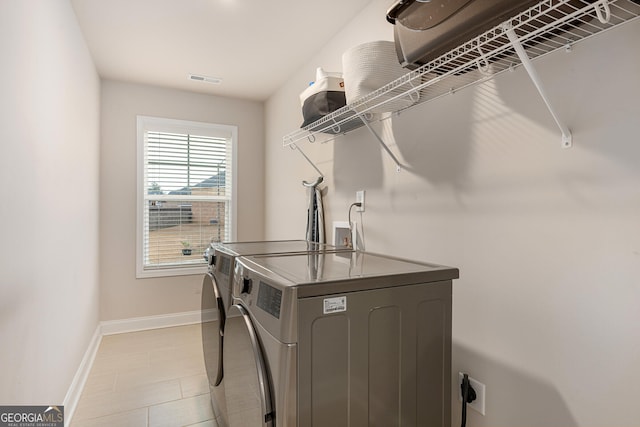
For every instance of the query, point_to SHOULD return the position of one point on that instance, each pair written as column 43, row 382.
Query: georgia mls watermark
column 31, row 416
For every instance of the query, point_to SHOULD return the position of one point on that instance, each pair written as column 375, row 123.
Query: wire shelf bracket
column 294, row 146
column 567, row 139
column 399, row 165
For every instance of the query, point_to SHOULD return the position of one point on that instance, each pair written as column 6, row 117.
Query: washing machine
column 216, row 300
column 338, row 339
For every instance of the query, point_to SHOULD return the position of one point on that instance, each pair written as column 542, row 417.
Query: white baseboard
column 111, row 327
column 135, row 324
column 80, row 378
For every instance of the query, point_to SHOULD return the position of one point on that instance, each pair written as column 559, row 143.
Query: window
column 186, row 193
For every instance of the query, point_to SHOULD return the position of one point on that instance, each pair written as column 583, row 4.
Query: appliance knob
column 247, row 284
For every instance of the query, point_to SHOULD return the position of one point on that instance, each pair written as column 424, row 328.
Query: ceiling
column 252, row 45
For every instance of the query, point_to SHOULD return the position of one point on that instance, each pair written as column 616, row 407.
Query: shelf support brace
column 386, row 148
column 567, row 139
column 294, row 146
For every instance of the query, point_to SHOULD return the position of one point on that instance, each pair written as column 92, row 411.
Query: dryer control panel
column 269, row 299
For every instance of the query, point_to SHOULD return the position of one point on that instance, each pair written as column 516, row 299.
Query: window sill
column 142, row 273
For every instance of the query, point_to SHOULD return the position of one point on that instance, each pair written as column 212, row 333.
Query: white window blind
column 185, row 193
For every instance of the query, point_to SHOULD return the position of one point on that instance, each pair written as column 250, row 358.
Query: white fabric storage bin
column 368, row 67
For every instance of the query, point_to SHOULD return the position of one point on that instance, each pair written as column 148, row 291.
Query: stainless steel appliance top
column 323, row 273
column 230, row 250
column 271, row 247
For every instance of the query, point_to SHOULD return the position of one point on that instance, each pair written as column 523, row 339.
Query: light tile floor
column 147, row 379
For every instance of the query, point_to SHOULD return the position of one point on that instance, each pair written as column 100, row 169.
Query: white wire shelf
column 544, row 28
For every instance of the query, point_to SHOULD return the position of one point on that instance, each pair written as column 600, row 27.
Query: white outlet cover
column 479, row 403
column 360, row 199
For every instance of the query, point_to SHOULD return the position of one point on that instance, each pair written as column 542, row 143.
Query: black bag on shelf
column 322, row 97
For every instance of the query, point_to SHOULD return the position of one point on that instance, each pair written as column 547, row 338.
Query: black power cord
column 468, row 396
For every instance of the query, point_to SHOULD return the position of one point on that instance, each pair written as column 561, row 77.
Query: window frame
column 154, row 124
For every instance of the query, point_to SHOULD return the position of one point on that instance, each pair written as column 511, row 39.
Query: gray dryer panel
column 385, row 359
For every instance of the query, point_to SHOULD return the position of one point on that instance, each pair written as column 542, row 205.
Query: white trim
column 74, row 392
column 234, row 184
column 135, row 324
column 145, row 123
column 172, row 271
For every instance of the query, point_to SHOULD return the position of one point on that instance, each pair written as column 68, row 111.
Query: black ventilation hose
column 468, row 396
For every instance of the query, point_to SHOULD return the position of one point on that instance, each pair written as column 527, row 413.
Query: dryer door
column 247, row 387
column 213, row 321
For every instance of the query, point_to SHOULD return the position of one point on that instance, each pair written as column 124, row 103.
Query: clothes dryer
column 338, row 339
column 216, row 299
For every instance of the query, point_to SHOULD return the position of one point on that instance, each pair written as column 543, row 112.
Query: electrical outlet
column 480, row 390
column 360, row 199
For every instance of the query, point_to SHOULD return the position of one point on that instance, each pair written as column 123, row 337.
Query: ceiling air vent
column 206, row 79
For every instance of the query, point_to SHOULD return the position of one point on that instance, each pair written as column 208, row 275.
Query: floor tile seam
column 142, row 387
column 100, row 370
column 136, row 407
column 140, row 347
column 175, row 400
column 99, row 388
column 96, row 395
column 154, row 381
column 169, row 401
column 110, row 370
column 189, row 355
column 111, row 414
column 198, row 423
column 181, row 387
column 119, row 375
column 198, row 394
column 147, row 406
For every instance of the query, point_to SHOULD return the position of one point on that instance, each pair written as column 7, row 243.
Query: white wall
column 49, row 138
column 547, row 240
column 122, row 295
